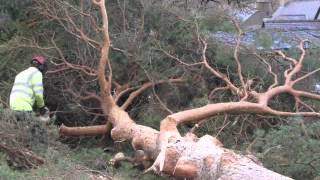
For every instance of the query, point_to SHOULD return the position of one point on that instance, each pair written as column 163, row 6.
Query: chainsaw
column 47, row 118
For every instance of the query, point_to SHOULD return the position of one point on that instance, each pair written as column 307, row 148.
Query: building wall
column 255, row 21
column 264, row 9
column 283, row 2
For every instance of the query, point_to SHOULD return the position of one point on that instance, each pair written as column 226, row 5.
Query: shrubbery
column 291, row 150
column 61, row 161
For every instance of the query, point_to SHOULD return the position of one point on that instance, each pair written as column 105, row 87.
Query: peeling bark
column 188, row 156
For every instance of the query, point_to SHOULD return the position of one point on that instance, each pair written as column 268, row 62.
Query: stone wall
column 292, row 25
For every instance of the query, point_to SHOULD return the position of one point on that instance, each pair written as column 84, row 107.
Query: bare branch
column 306, row 76
column 104, row 59
column 145, row 86
column 297, row 66
column 179, row 60
column 216, row 90
column 305, row 94
column 161, row 102
column 76, row 131
column 291, row 60
column 85, row 69
column 275, row 76
column 121, row 51
column 236, row 55
column 306, row 105
column 220, row 75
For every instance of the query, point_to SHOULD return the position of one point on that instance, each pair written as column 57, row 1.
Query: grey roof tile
column 297, row 10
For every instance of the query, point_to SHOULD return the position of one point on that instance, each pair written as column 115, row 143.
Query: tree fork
column 188, row 156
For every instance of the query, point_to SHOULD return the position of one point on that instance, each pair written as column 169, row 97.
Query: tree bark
column 188, row 156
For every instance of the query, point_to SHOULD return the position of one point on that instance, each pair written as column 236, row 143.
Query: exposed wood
column 189, row 156
column 78, row 131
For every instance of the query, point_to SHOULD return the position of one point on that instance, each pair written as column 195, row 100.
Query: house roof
column 279, row 39
column 298, row 10
column 251, row 22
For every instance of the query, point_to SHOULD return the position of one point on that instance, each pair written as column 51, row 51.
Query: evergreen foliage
column 291, row 149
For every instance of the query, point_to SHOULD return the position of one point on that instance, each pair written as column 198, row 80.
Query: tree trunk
column 186, row 157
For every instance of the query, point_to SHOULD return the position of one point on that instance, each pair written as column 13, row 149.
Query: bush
column 60, row 161
column 292, row 150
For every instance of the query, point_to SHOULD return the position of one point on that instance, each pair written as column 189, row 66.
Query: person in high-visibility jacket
column 27, row 94
column 27, row 90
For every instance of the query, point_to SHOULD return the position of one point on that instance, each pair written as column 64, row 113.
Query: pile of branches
column 12, row 143
column 19, row 157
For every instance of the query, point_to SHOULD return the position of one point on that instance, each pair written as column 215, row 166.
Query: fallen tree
column 189, row 156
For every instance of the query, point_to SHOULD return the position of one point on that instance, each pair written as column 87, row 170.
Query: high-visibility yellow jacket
column 27, row 90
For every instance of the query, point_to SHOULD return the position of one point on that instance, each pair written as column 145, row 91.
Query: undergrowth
column 64, row 163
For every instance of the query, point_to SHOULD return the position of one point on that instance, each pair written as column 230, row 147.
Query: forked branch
column 189, row 156
column 145, row 86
